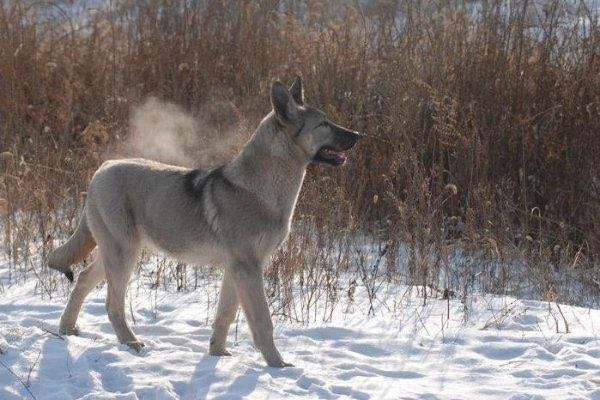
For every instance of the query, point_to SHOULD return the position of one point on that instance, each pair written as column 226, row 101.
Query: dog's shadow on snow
column 245, row 384
column 206, row 375
column 203, row 377
column 242, row 386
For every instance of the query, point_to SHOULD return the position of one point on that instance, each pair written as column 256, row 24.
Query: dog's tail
column 79, row 245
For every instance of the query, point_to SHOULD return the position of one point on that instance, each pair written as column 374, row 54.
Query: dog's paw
column 137, row 346
column 280, row 364
column 219, row 352
column 69, row 330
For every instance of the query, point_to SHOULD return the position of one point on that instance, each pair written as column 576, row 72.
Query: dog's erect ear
column 297, row 91
column 283, row 102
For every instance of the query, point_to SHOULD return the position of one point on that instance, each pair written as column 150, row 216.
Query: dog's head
column 319, row 139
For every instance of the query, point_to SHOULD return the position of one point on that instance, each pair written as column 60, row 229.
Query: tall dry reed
column 482, row 125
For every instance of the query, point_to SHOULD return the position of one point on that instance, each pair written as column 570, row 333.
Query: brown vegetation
column 482, row 129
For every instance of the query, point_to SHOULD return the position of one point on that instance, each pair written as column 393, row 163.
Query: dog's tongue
column 340, row 156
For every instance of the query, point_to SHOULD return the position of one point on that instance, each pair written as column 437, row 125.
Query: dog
column 234, row 216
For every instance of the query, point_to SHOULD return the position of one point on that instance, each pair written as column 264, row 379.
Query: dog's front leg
column 228, row 305
column 248, row 281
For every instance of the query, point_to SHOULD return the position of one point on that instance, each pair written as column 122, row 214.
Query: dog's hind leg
column 86, row 281
column 228, row 306
column 119, row 264
column 119, row 247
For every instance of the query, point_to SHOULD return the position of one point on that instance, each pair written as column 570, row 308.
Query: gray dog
column 233, row 216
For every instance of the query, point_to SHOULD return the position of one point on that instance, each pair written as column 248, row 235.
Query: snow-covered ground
column 508, row 349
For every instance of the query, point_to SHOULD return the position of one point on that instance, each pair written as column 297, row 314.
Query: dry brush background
column 479, row 170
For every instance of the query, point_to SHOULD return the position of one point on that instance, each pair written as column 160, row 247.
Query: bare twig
column 19, row 379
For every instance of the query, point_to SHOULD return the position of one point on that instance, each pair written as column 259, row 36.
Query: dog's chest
column 269, row 240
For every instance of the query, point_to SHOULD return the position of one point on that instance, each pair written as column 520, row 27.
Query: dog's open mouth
column 330, row 156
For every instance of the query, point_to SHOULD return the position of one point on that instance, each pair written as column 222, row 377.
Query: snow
column 491, row 347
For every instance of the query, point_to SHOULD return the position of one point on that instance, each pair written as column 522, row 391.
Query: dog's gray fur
column 234, row 216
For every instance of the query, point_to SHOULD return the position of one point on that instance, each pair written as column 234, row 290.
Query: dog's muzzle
column 334, row 153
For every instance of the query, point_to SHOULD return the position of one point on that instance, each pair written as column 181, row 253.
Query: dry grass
column 482, row 129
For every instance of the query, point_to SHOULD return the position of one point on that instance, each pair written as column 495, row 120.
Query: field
column 507, row 348
column 461, row 239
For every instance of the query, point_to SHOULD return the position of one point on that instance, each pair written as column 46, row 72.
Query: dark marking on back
column 196, row 180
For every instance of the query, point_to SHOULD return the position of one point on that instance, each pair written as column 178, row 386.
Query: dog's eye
column 323, row 123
